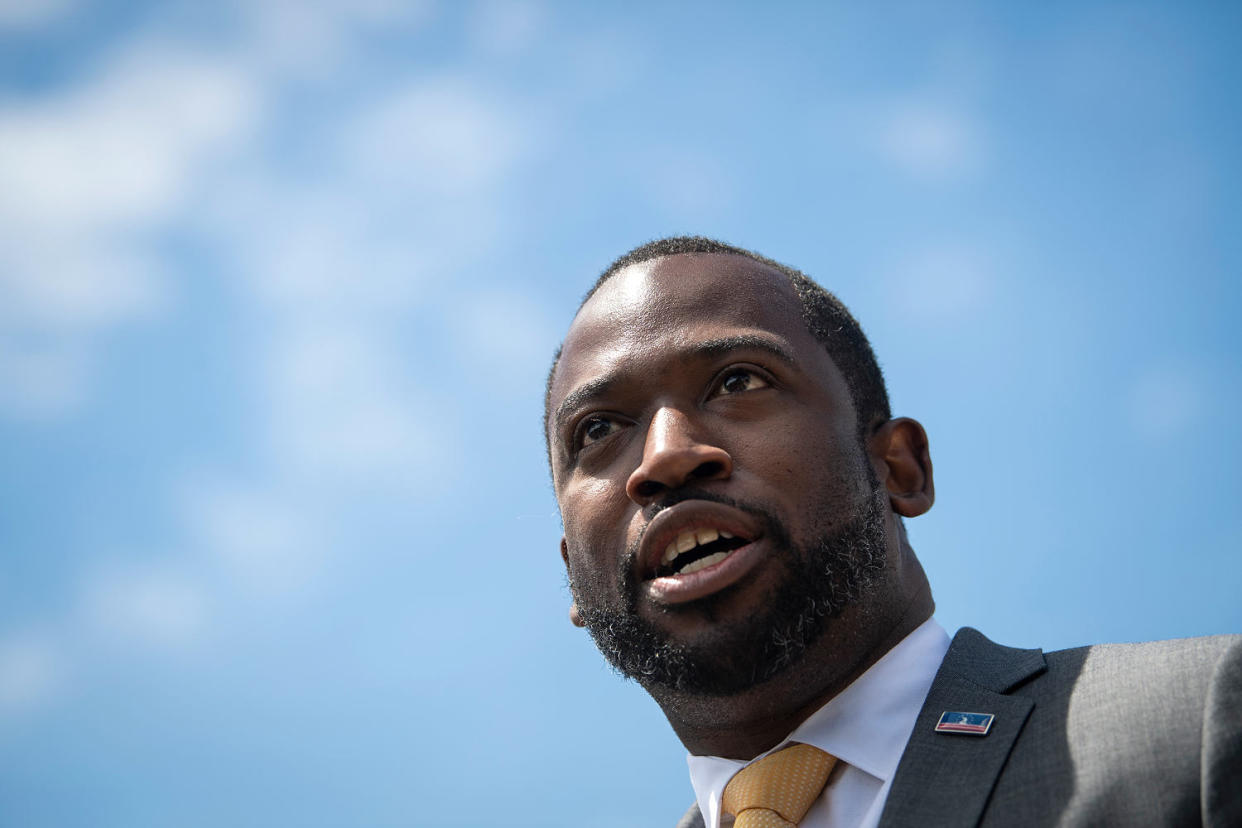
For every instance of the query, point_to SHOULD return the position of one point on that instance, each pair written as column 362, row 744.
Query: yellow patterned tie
column 777, row 791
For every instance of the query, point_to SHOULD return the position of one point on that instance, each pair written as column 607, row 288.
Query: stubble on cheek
column 601, row 576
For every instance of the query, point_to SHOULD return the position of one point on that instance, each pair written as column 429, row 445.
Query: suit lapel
column 945, row 779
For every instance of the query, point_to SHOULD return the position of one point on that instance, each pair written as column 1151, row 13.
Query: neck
column 747, row 724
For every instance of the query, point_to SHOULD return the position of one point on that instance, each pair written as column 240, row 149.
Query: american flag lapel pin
column 975, row 724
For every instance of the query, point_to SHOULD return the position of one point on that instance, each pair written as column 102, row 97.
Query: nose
column 673, row 456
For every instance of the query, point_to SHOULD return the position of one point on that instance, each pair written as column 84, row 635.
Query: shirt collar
column 866, row 725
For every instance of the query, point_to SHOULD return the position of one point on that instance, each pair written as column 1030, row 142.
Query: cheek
column 807, row 464
column 592, row 578
column 583, row 501
column 583, row 569
column 594, row 517
column 595, row 492
column 784, row 456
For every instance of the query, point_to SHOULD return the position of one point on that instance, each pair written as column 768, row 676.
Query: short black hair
column 826, row 317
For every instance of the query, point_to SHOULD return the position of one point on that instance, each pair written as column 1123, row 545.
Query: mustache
column 682, row 495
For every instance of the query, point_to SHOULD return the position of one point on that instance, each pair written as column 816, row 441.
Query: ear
column 902, row 461
column 575, row 617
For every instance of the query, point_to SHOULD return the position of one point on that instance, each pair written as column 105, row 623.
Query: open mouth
column 697, row 549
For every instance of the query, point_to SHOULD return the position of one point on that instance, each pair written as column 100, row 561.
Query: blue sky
column 280, row 281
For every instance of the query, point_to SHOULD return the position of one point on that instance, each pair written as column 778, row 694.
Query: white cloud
column 321, row 253
column 930, row 139
column 506, row 26
column 316, row 38
column 77, row 284
column 507, row 337
column 90, row 175
column 1165, row 400
column 156, row 607
column 687, row 183
column 25, row 15
column 945, row 281
column 606, row 61
column 124, row 147
column 39, row 381
column 439, row 137
column 32, row 671
column 340, row 404
column 266, row 544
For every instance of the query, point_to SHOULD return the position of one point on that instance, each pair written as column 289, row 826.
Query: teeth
column 715, row 557
column 690, row 539
column 687, row 541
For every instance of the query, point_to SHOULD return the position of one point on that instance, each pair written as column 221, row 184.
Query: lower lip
column 681, row 589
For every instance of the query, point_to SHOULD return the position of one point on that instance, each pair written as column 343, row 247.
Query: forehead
column 695, row 286
column 657, row 308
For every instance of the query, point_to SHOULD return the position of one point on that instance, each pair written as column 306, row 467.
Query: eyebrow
column 584, row 392
column 727, row 344
column 707, row 349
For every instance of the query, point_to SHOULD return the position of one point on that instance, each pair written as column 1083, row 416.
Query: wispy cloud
column 340, row 403
column 506, row 26
column 307, row 254
column 25, row 15
column 263, row 541
column 930, row 138
column 295, row 39
column 123, row 147
column 685, row 183
column 92, row 175
column 442, row 136
column 42, row 379
column 33, row 671
column 175, row 137
column 1166, row 399
column 153, row 605
column 506, row 337
column 945, row 281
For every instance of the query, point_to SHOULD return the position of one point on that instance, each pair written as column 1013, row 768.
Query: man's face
column 718, row 506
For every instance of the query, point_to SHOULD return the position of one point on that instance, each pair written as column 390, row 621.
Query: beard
column 820, row 580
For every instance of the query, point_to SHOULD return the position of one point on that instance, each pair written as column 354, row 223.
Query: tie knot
column 778, row 789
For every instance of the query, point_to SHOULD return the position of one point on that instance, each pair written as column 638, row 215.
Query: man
column 732, row 486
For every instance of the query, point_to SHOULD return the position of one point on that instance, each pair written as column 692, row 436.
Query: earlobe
column 575, row 617
column 900, row 452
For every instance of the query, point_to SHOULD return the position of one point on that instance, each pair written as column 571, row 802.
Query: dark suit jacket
column 1115, row 734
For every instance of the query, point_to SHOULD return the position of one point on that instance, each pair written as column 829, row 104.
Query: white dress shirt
column 866, row 726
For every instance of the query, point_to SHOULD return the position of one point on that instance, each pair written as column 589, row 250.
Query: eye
column 596, row 428
column 736, row 380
